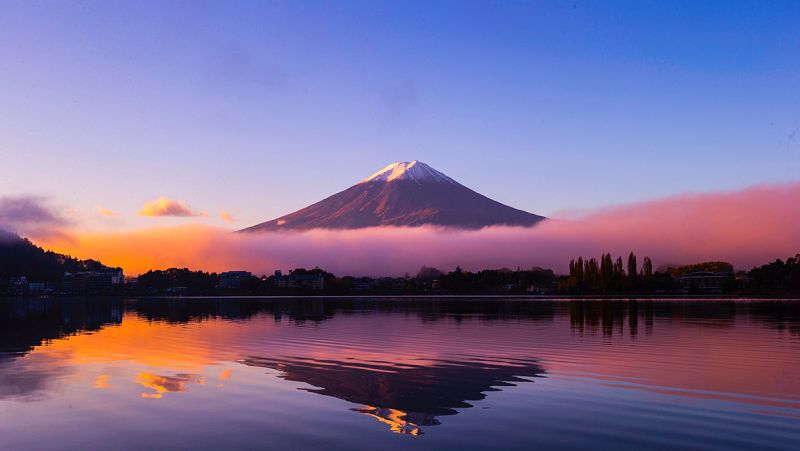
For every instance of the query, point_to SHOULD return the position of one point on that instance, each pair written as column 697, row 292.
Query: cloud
column 164, row 206
column 748, row 228
column 106, row 213
column 31, row 216
column 226, row 216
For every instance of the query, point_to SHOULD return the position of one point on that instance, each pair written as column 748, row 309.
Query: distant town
column 28, row 270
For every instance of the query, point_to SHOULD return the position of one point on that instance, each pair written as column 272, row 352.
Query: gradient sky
column 261, row 108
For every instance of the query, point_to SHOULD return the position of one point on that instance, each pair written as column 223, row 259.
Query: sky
column 240, row 112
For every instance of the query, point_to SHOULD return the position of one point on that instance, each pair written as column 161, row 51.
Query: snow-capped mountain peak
column 415, row 171
column 403, row 194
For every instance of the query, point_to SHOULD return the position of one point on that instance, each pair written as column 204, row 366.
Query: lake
column 369, row 373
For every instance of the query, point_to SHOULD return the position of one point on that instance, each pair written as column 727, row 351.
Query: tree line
column 608, row 275
column 776, row 277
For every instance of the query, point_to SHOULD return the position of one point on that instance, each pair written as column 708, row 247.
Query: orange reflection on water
column 166, row 384
column 149, row 343
column 726, row 357
column 102, row 381
column 393, row 417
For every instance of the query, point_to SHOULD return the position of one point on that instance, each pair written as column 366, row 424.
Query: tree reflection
column 610, row 317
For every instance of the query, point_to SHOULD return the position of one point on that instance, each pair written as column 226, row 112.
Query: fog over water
column 747, row 228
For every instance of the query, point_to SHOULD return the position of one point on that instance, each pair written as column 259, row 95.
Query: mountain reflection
column 405, row 396
column 401, row 360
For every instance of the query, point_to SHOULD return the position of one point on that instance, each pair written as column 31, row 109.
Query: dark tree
column 647, row 267
column 632, row 269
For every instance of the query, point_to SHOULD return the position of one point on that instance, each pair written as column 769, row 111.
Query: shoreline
column 433, row 297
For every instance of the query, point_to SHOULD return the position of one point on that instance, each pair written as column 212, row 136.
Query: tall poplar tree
column 632, row 266
column 647, row 267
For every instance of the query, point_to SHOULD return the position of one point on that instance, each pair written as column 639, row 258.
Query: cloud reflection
column 159, row 385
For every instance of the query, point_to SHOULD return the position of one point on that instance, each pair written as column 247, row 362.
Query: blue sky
column 260, row 108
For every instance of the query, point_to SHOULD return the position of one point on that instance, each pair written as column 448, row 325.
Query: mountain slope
column 20, row 257
column 402, row 194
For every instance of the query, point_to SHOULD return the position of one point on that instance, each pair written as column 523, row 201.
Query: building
column 705, row 281
column 536, row 289
column 177, row 291
column 17, row 285
column 100, row 281
column 116, row 274
column 365, row 284
column 310, row 281
column 232, row 280
column 38, row 288
column 382, row 284
column 393, row 283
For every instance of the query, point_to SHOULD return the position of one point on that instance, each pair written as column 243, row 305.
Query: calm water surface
column 416, row 374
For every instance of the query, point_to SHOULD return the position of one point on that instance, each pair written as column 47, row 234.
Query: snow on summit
column 415, row 171
column 422, row 196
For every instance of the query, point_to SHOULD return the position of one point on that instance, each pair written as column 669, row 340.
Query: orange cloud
column 164, row 206
column 105, row 212
column 748, row 228
column 227, row 217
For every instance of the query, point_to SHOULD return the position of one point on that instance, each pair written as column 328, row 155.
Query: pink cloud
column 748, row 228
column 164, row 206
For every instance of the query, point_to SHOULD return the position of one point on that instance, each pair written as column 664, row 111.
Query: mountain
column 408, row 193
column 20, row 257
